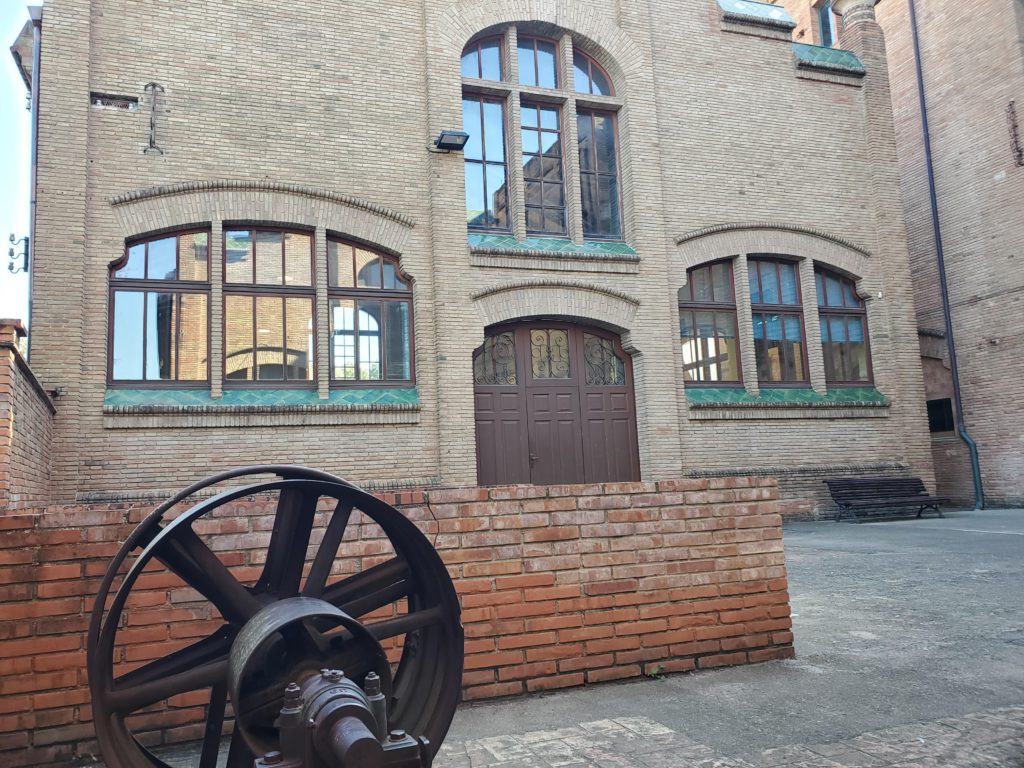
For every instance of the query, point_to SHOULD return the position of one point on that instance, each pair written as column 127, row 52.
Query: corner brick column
column 863, row 35
column 10, row 331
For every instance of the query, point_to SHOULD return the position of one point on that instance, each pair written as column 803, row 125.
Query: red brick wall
column 26, row 427
column 560, row 586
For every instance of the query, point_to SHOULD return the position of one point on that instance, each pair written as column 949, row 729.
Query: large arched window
column 707, row 325
column 371, row 316
column 269, row 336
column 159, row 312
column 778, row 320
column 546, row 99
column 844, row 330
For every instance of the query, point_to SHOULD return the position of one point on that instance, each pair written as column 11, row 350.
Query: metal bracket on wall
column 1015, row 142
column 153, row 89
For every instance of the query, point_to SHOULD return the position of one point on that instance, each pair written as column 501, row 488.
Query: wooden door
column 554, row 404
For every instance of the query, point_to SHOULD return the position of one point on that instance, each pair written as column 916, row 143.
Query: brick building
column 247, row 249
column 977, row 160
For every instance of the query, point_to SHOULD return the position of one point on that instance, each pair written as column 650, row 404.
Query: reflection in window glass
column 269, row 258
column 369, row 339
column 367, row 269
column 707, row 325
column 843, row 321
column 135, row 267
column 343, row 339
column 297, row 259
column 396, row 320
column 238, row 259
column 298, row 349
column 778, row 347
column 588, row 77
column 485, row 171
column 162, row 259
column 542, row 170
column 339, row 264
column 482, row 59
column 128, row 332
column 598, row 174
column 194, row 255
column 238, row 350
column 160, row 332
column 538, row 62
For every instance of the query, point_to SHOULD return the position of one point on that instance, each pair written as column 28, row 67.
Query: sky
column 14, row 160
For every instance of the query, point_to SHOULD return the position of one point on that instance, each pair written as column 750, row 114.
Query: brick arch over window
column 608, row 308
column 156, row 209
column 775, row 239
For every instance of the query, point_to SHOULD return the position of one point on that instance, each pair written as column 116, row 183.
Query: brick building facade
column 976, row 135
column 675, row 136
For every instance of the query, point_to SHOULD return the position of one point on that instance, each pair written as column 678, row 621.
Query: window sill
column 170, row 409
column 721, row 403
column 549, row 253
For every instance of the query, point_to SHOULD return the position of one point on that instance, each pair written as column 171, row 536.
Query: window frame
column 591, row 65
column 780, row 309
column 539, row 130
column 614, row 116
column 559, row 76
column 692, row 306
column 283, row 292
column 825, row 311
column 379, row 294
column 146, row 285
column 502, row 101
column 476, row 45
column 829, row 22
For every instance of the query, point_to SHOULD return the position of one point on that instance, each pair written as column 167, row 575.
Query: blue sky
column 14, row 160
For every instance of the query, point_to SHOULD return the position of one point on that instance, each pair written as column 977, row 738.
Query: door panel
column 501, row 437
column 556, row 451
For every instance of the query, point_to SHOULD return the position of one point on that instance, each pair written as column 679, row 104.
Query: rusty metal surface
column 297, row 620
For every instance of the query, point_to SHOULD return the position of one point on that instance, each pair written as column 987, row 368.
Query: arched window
column 540, row 207
column 844, row 330
column 269, row 337
column 778, row 321
column 707, row 325
column 159, row 312
column 371, row 316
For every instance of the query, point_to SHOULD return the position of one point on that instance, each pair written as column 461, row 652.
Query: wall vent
column 111, row 101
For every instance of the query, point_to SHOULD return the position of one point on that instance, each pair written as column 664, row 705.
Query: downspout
column 961, row 427
column 36, row 13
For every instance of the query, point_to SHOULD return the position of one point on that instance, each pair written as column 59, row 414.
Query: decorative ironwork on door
column 549, row 353
column 495, row 365
column 604, row 367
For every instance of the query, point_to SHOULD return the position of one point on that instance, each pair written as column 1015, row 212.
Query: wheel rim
column 427, row 677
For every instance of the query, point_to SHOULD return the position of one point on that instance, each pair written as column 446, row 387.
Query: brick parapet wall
column 560, row 586
column 26, row 427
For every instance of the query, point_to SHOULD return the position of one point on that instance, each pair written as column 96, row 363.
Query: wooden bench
column 857, row 495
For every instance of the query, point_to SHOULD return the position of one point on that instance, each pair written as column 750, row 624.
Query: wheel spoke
column 328, row 551
column 370, row 581
column 382, row 597
column 200, row 665
column 286, row 553
column 214, row 726
column 401, row 625
column 239, row 754
column 185, row 554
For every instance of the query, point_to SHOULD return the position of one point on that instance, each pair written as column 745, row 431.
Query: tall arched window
column 371, row 316
column 844, row 330
column 778, row 320
column 584, row 94
column 159, row 312
column 707, row 325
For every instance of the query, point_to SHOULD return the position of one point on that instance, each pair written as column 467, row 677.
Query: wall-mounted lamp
column 13, row 257
column 451, row 141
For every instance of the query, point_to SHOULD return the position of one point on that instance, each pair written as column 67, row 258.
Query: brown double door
column 554, row 404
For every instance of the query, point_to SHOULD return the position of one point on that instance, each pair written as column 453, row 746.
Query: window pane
column 795, row 360
column 787, row 276
column 475, row 207
column 391, row 280
column 528, row 116
column 585, row 132
column 299, row 352
column 269, row 338
column 494, row 132
column 396, row 324
column 700, row 284
column 608, row 189
column 552, row 169
column 238, row 256
column 135, row 267
column 850, row 297
column 599, row 83
column 195, row 256
column 769, row 283
column 833, row 292
column 604, row 135
column 819, row 287
column 755, row 286
column 721, row 281
column 369, row 340
column 268, row 258
column 533, row 193
column 297, row 259
column 837, row 328
column 343, row 339
column 490, row 59
column 161, row 315
column 367, row 269
column 535, row 219
column 470, row 65
column 589, row 201
column 792, row 325
column 549, row 118
column 471, row 124
column 238, row 354
column 554, row 195
column 580, row 69
column 550, row 144
column 192, row 335
column 497, row 192
column 546, row 70
column 527, row 62
column 531, row 143
column 554, row 221
column 162, row 263
column 339, row 264
column 128, row 329
column 685, row 324
column 495, row 365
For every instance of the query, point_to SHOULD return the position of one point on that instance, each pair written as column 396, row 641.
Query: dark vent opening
column 112, row 101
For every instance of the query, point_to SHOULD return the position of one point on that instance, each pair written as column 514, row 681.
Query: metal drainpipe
column 36, row 13
column 961, row 427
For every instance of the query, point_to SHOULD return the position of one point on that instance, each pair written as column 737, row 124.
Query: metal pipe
column 961, row 427
column 36, row 13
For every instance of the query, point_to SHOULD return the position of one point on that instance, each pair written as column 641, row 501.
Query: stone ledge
column 834, row 60
column 553, row 263
column 169, row 417
column 735, row 413
column 756, row 14
column 709, row 403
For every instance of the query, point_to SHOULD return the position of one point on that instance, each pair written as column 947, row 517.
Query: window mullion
column 217, row 343
column 570, row 144
column 745, row 322
column 814, row 357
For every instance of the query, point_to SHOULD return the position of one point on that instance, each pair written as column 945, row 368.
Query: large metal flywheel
column 292, row 642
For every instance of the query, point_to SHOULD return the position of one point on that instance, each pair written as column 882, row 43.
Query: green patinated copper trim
column 735, row 397
column 549, row 247
column 829, row 59
column 199, row 400
column 748, row 12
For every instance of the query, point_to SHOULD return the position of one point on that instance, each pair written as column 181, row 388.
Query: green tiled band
column 817, row 57
column 542, row 246
column 757, row 13
column 241, row 398
column 707, row 397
